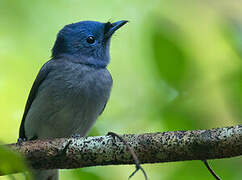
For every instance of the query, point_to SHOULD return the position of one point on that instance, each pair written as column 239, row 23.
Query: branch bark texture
column 66, row 153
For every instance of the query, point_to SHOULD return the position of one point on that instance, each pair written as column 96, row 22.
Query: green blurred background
column 177, row 65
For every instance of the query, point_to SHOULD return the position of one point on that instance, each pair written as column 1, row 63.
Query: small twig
column 210, row 170
column 136, row 160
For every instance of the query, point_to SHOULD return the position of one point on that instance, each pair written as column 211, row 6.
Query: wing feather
column 44, row 71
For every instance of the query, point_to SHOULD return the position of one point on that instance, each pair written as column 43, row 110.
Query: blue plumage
column 72, row 89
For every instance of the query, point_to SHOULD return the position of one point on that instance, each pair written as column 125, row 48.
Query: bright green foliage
column 11, row 162
column 177, row 65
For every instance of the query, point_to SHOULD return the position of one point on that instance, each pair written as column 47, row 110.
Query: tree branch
column 67, row 153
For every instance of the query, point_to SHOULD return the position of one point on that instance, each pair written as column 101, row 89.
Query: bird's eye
column 90, row 39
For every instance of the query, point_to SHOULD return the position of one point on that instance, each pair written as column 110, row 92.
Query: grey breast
column 68, row 101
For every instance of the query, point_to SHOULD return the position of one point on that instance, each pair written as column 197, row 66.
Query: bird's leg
column 76, row 135
column 136, row 160
column 21, row 140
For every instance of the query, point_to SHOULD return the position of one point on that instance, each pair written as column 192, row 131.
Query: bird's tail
column 45, row 174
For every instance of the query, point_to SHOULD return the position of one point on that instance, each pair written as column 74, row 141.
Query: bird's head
column 86, row 41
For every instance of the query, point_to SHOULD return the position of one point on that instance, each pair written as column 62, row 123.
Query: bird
column 71, row 90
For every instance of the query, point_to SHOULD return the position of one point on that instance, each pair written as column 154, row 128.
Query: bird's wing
column 39, row 79
column 103, row 108
column 108, row 98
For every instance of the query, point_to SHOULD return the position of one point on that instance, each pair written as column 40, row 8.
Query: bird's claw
column 76, row 135
column 21, row 140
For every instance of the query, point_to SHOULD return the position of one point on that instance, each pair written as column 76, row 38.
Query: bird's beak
column 111, row 28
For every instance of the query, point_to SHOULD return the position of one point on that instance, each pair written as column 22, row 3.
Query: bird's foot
column 21, row 140
column 76, row 135
column 136, row 160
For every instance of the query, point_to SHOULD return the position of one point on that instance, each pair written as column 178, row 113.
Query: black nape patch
column 107, row 27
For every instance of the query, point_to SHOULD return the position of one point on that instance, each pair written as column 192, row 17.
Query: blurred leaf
column 233, row 91
column 175, row 69
column 11, row 162
column 83, row 174
column 94, row 132
column 197, row 170
column 233, row 33
column 170, row 58
column 232, row 82
column 191, row 170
